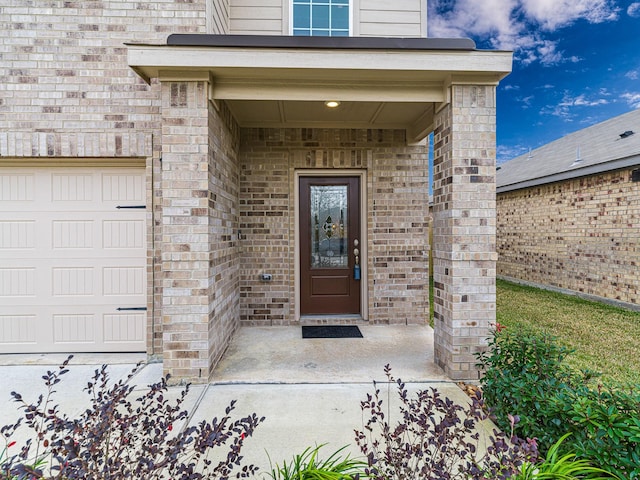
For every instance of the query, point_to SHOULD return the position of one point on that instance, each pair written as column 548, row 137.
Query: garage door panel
column 72, row 187
column 17, row 187
column 69, row 259
column 73, row 281
column 17, row 282
column 72, row 234
column 123, row 281
column 124, row 328
column 18, row 329
column 119, row 234
column 122, row 187
column 17, row 234
column 74, row 329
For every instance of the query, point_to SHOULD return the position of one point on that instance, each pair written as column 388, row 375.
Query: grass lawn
column 606, row 339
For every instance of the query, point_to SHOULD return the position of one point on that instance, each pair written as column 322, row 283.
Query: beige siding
column 218, row 11
column 257, row 17
column 382, row 18
column 371, row 18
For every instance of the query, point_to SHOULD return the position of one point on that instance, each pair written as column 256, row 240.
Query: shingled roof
column 606, row 146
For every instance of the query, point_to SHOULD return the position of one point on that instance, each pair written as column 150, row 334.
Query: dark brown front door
column 329, row 245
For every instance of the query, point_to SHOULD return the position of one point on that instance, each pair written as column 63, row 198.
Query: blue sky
column 576, row 62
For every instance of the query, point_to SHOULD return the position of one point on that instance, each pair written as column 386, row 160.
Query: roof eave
column 343, row 63
column 617, row 164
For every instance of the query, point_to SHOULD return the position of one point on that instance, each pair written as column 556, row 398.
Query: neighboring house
column 569, row 213
column 170, row 171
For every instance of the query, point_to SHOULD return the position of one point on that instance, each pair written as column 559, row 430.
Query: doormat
column 331, row 331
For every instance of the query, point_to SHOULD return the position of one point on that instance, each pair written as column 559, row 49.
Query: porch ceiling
column 286, row 83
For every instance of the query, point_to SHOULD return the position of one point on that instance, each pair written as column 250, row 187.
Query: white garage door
column 72, row 260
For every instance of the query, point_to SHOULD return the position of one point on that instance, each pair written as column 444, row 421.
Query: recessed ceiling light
column 332, row 103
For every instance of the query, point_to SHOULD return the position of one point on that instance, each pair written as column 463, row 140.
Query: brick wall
column 397, row 196
column 580, row 234
column 223, row 211
column 64, row 64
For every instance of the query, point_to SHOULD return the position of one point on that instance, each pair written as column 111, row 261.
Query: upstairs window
column 325, row 18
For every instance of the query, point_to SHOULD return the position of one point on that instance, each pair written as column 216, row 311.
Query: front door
column 330, row 249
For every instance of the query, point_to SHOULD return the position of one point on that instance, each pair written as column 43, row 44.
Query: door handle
column 356, row 265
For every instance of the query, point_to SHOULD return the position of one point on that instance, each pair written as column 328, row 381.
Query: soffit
column 283, row 86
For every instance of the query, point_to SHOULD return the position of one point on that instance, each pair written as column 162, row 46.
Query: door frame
column 362, row 175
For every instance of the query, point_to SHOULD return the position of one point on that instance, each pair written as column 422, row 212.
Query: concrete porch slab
column 281, row 355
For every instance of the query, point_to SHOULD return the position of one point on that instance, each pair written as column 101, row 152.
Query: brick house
column 171, row 171
column 569, row 213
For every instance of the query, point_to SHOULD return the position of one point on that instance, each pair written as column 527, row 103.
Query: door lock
column 356, row 265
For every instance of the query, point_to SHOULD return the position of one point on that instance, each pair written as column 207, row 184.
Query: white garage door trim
column 72, row 259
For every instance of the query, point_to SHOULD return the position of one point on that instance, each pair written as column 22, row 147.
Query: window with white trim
column 326, row 18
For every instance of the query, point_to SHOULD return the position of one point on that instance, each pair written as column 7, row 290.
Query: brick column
column 199, row 251
column 464, row 252
column 185, row 224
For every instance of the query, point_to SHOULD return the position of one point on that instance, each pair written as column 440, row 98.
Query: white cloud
column 634, row 10
column 633, row 99
column 583, row 101
column 517, row 25
column 632, row 74
column 526, row 101
column 548, row 53
column 553, row 14
column 504, row 153
column 565, row 109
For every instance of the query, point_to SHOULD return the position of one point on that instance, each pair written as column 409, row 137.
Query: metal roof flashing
column 345, row 43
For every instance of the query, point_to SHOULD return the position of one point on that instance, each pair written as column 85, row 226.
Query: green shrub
column 308, row 466
column 521, row 371
column 606, row 426
column 526, row 377
column 561, row 467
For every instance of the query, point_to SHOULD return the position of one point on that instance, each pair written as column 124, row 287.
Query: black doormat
column 331, row 331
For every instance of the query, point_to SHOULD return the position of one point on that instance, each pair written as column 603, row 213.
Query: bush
column 308, row 466
column 435, row 438
column 557, row 466
column 525, row 375
column 605, row 426
column 521, row 371
column 119, row 438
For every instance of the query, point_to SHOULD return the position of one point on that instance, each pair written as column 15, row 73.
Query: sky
column 576, row 62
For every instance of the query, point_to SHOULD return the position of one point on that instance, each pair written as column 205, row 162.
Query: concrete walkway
column 309, row 390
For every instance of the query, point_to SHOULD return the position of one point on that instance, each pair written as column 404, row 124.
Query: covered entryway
column 72, row 259
column 244, row 116
column 330, row 245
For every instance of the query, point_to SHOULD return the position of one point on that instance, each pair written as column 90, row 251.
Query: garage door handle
column 140, row 309
column 131, row 206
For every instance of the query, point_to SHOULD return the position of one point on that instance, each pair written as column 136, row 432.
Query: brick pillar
column 464, row 252
column 185, row 224
column 199, row 251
